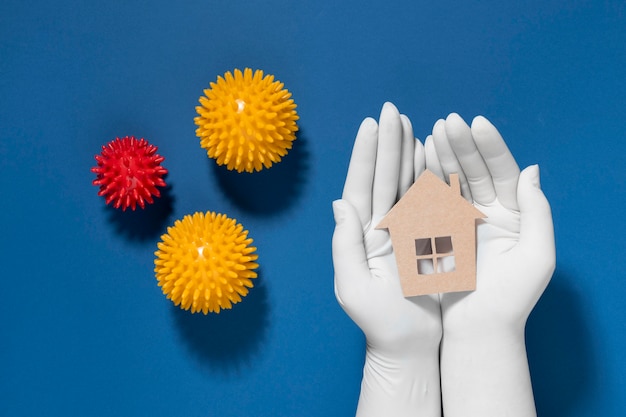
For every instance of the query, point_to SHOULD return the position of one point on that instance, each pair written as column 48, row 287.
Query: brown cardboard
column 423, row 224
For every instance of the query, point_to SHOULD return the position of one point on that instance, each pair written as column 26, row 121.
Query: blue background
column 84, row 329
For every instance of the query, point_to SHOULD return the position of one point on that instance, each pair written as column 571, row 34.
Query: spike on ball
column 128, row 173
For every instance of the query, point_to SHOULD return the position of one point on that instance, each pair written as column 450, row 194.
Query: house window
column 434, row 255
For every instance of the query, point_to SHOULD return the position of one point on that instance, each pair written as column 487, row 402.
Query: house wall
column 462, row 279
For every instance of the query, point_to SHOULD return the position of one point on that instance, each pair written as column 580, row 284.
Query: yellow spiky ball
column 246, row 121
column 205, row 262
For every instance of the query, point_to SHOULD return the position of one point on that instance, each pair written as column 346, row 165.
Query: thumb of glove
column 349, row 258
column 536, row 227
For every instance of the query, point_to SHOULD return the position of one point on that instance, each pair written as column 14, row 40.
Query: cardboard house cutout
column 433, row 234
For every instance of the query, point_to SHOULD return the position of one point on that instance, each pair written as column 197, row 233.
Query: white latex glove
column 401, row 372
column 484, row 369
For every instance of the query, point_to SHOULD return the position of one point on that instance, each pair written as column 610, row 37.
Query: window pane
column 446, row 264
column 423, row 247
column 425, row 266
column 443, row 244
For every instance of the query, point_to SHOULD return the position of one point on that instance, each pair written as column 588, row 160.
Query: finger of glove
column 419, row 160
column 476, row 173
column 536, row 239
column 407, row 156
column 348, row 250
column 360, row 178
column 449, row 161
column 388, row 158
column 500, row 163
column 432, row 159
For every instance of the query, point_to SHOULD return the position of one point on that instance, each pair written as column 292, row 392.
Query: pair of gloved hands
column 462, row 351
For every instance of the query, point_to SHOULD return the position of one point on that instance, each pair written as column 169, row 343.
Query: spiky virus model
column 205, row 262
column 246, row 121
column 128, row 173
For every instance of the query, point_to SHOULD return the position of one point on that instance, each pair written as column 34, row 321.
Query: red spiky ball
column 128, row 173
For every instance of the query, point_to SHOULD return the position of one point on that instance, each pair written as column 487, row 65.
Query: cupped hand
column 385, row 161
column 516, row 250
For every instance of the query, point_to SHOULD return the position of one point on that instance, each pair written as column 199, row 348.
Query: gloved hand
column 484, row 369
column 401, row 372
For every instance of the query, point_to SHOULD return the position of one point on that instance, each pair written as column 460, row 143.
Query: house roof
column 430, row 199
